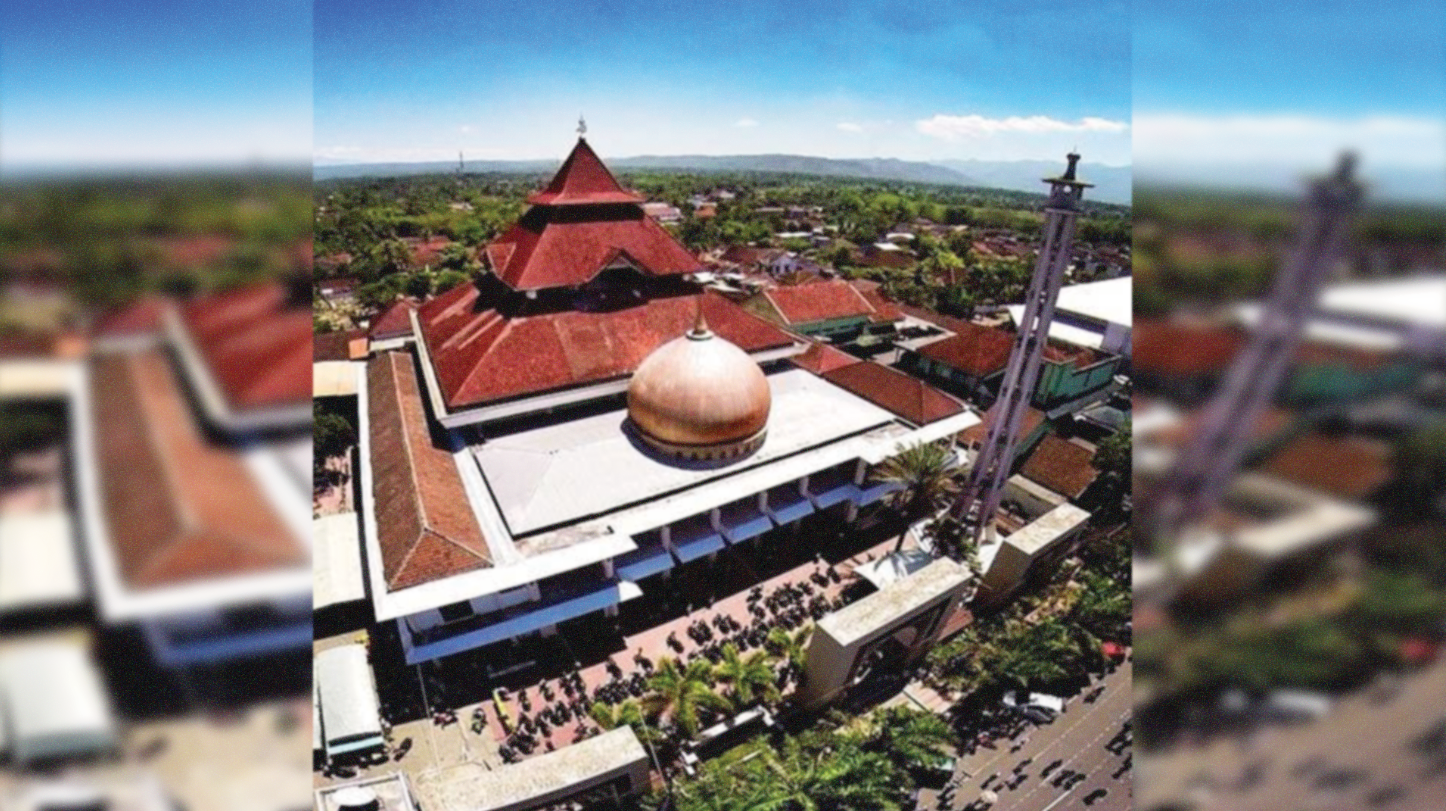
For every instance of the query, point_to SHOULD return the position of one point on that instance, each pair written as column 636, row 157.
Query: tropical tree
column 680, row 691
column 924, row 474
column 790, row 649
column 749, row 678
column 629, row 713
column 841, row 775
column 910, row 738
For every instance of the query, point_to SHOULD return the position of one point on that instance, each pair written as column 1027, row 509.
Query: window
column 455, row 611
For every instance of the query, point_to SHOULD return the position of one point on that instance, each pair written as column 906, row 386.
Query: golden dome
column 700, row 397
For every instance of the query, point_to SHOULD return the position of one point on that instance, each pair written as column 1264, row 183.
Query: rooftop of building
column 481, row 355
column 1061, row 466
column 903, row 395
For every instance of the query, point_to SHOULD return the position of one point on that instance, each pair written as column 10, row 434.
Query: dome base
column 716, row 452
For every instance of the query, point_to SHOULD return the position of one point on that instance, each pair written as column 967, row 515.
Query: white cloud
column 465, row 129
column 958, row 127
column 849, row 126
column 1166, row 139
column 745, row 123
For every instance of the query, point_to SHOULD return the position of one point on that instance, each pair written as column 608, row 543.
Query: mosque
column 583, row 424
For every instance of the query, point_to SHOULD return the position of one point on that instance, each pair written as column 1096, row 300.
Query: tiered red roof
column 255, row 343
column 482, row 355
column 581, row 223
column 583, row 179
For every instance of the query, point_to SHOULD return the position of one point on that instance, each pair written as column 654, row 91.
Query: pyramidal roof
column 580, row 224
column 583, row 180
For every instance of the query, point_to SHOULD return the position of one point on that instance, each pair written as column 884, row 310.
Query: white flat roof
column 897, row 599
column 1419, row 300
column 474, row 787
column 350, row 717
column 564, row 473
column 336, row 550
column 1046, row 529
column 37, row 378
column 53, row 694
column 38, row 564
column 333, row 378
column 1110, row 300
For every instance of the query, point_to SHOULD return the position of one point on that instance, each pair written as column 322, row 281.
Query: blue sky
column 173, row 83
column 879, row 79
column 1286, row 86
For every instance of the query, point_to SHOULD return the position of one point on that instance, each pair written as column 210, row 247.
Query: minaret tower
column 980, row 498
column 1206, row 466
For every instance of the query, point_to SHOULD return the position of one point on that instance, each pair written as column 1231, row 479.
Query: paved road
column 1077, row 738
column 1374, row 751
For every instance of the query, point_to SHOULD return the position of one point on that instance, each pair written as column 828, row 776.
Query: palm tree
column 790, row 649
column 750, row 678
column 678, row 692
column 910, row 738
column 924, row 473
column 840, row 776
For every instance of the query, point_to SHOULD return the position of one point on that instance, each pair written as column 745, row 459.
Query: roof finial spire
column 581, row 126
column 700, row 325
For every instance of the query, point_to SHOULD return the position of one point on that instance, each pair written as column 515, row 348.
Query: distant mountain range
column 1112, row 182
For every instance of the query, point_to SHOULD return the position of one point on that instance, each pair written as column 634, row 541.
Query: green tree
column 924, row 475
column 679, row 692
column 910, row 738
column 749, row 678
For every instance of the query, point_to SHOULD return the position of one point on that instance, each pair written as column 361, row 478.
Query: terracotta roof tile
column 554, row 247
column 481, row 355
column 1178, row 349
column 806, row 304
column 334, row 345
column 395, row 321
column 178, row 508
column 140, row 317
column 820, row 358
column 583, row 179
column 1346, row 467
column 1062, row 466
column 976, row 434
column 255, row 344
column 891, row 389
column 425, row 526
column 983, row 351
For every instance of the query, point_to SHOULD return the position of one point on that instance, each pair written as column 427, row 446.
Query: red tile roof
column 1173, row 348
column 820, row 358
column 178, row 508
column 481, row 355
column 583, row 179
column 983, row 351
column 335, row 345
column 1346, row 467
column 891, row 389
column 425, row 526
column 394, row 321
column 884, row 310
column 1062, row 466
column 808, row 303
column 140, row 317
column 976, row 434
column 975, row 350
column 256, row 345
column 552, row 247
